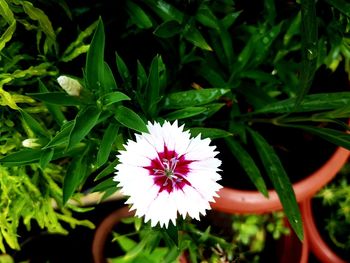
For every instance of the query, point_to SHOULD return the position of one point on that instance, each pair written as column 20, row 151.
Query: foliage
column 336, row 197
column 244, row 238
column 221, row 67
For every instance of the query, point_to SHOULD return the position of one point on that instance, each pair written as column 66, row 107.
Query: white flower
column 70, row 85
column 166, row 173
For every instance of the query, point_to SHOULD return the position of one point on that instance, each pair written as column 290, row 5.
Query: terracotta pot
column 318, row 246
column 104, row 229
column 291, row 249
column 240, row 201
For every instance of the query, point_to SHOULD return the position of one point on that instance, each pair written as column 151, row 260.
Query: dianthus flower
column 165, row 173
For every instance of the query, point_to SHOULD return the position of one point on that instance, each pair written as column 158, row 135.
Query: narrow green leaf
column 53, row 109
column 108, row 170
column 309, row 47
column 38, row 15
column 154, row 85
column 61, row 137
column 57, row 98
column 206, row 17
column 248, row 164
column 7, row 35
column 184, row 113
column 76, row 173
column 336, row 137
column 194, row 36
column 83, row 123
column 168, row 29
column 141, row 78
column 212, row 133
column 122, row 69
column 130, row 119
column 78, row 46
column 21, row 157
column 6, row 12
column 108, row 139
column 171, row 235
column 312, row 102
column 138, row 16
column 342, row 5
column 193, row 97
column 113, row 97
column 108, row 82
column 46, row 157
column 229, row 19
column 95, row 67
column 34, row 125
column 280, row 181
column 165, row 11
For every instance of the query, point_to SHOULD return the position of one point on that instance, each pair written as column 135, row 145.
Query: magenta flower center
column 169, row 171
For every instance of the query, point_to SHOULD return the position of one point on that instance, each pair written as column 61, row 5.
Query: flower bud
column 31, row 143
column 70, row 85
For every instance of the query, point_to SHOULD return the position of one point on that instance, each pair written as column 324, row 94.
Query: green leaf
column 206, row 17
column 108, row 170
column 230, row 18
column 194, row 36
column 108, row 81
column 212, row 133
column 38, row 15
column 34, row 125
column 108, row 139
column 341, row 5
column 171, row 235
column 95, row 66
column 76, row 173
column 184, row 113
column 122, row 69
column 164, row 10
column 83, row 123
column 336, row 137
column 7, row 35
column 309, row 47
column 61, row 137
column 138, row 16
column 6, row 12
column 46, row 157
column 57, row 98
column 168, row 29
column 313, row 102
column 21, row 157
column 248, row 164
column 130, row 119
column 78, row 47
column 113, row 97
column 193, row 97
column 53, row 109
column 280, row 181
column 154, row 85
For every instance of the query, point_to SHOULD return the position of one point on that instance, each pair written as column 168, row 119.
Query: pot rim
column 232, row 200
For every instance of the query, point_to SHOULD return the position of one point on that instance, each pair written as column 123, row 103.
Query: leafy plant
column 336, row 197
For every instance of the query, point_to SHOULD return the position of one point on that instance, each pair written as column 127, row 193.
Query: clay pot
column 241, row 201
column 105, row 228
column 318, row 246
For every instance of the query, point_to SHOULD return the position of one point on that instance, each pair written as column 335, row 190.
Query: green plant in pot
column 216, row 74
column 263, row 68
column 247, row 238
column 328, row 231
